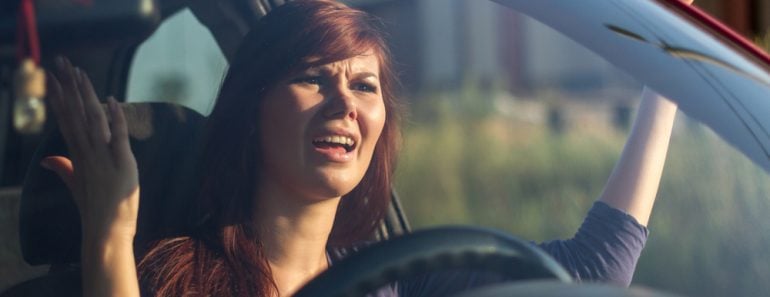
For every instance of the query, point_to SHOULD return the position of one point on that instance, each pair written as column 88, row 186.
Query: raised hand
column 103, row 178
column 102, row 172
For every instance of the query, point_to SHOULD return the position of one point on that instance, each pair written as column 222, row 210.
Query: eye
column 364, row 87
column 310, row 80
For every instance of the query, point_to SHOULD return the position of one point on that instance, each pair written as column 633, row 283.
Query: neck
column 294, row 232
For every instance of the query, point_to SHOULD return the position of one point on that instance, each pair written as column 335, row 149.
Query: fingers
column 81, row 118
column 121, row 149
column 55, row 98
column 68, row 79
column 67, row 105
column 62, row 167
column 98, row 128
column 85, row 125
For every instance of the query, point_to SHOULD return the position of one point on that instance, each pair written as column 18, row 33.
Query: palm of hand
column 102, row 172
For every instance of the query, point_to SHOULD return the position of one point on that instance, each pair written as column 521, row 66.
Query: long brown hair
column 224, row 256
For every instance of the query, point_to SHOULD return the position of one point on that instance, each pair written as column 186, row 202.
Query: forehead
column 366, row 62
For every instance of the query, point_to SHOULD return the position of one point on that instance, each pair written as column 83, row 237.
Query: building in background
column 748, row 17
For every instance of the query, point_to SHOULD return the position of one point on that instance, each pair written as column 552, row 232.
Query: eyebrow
column 363, row 75
column 326, row 70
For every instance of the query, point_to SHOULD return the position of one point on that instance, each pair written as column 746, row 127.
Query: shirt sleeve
column 606, row 248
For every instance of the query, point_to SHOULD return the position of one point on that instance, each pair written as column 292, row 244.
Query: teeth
column 344, row 140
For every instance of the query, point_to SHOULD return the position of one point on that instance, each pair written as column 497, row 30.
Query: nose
column 341, row 105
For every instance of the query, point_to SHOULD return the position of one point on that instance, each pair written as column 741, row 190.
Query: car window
column 179, row 63
column 529, row 150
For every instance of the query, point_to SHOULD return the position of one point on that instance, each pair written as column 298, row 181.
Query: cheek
column 285, row 114
column 373, row 126
column 280, row 129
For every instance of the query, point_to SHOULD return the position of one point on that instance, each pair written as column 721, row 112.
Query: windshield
column 515, row 126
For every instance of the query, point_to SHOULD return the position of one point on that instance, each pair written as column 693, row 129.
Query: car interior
column 160, row 134
column 104, row 40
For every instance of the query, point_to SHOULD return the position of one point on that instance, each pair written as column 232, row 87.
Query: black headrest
column 165, row 141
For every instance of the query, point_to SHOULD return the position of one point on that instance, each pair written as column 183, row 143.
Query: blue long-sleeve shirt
column 604, row 249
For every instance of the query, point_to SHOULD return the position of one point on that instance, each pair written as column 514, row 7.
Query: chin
column 335, row 186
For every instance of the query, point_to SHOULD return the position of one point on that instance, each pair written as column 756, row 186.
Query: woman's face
column 320, row 126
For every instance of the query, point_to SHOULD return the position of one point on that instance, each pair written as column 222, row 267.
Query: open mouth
column 340, row 143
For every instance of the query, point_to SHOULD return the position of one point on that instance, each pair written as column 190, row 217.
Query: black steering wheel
column 468, row 248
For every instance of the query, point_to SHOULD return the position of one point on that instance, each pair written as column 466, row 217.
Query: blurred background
column 513, row 126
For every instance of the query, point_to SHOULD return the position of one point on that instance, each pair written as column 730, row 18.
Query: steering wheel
column 467, row 248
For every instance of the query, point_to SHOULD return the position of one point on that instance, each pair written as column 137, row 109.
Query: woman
column 299, row 156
